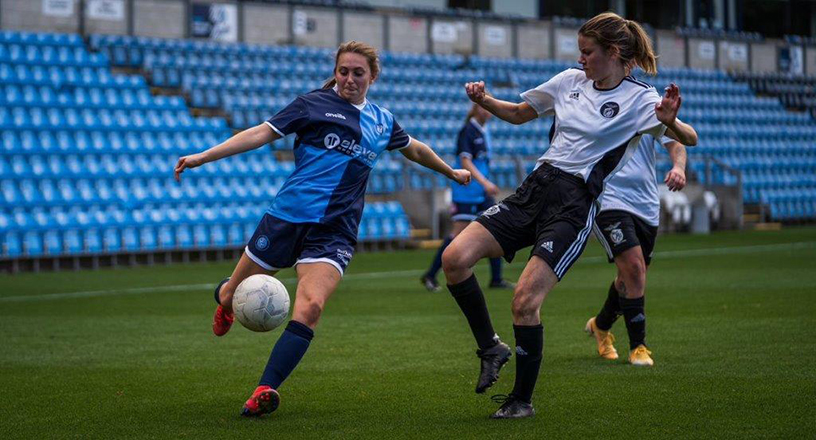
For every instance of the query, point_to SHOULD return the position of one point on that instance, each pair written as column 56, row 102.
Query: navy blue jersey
column 473, row 143
column 336, row 147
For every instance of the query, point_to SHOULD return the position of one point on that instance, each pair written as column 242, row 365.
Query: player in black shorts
column 627, row 229
column 473, row 154
column 601, row 112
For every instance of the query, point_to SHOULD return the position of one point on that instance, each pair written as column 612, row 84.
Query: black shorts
column 619, row 231
column 467, row 212
column 551, row 210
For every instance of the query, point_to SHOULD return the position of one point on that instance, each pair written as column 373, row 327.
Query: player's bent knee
column 524, row 303
column 309, row 312
column 452, row 259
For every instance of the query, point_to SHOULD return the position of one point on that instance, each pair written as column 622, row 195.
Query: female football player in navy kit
column 600, row 114
column 473, row 154
column 313, row 221
column 627, row 229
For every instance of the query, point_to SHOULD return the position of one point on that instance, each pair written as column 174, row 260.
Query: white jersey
column 634, row 188
column 595, row 131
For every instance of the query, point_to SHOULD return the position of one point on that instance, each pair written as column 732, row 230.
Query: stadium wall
column 390, row 28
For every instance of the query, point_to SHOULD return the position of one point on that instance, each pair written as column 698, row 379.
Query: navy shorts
column 467, row 212
column 278, row 244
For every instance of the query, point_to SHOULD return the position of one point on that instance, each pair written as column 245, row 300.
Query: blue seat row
column 46, row 55
column 160, row 227
column 13, row 95
column 36, row 118
column 95, row 142
column 59, row 76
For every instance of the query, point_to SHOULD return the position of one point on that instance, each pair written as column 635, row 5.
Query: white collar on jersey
column 357, row 106
column 481, row 127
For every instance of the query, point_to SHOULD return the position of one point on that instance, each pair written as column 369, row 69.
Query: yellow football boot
column 604, row 338
column 641, row 356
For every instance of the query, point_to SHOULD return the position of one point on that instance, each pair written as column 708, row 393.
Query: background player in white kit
column 627, row 229
column 600, row 115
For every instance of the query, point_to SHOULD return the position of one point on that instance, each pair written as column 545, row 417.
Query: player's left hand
column 675, row 179
column 461, row 177
column 191, row 161
column 666, row 110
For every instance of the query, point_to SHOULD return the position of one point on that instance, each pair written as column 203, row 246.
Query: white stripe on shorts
column 602, row 240
column 258, row 261
column 575, row 248
column 321, row 260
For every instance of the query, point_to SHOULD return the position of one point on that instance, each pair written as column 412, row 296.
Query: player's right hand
column 476, row 91
column 191, row 161
column 461, row 177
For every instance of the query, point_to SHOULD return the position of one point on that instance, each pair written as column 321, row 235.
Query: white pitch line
column 401, row 273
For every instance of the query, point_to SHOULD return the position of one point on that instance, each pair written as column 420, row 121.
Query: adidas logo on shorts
column 548, row 246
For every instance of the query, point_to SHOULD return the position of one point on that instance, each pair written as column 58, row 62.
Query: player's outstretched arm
column 422, row 154
column 504, row 110
column 675, row 179
column 666, row 112
column 246, row 140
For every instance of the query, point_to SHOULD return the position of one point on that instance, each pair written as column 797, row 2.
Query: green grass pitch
column 731, row 322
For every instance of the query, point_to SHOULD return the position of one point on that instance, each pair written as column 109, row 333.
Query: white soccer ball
column 261, row 303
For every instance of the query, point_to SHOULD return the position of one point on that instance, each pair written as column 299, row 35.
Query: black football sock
column 635, row 319
column 610, row 310
column 471, row 300
column 529, row 349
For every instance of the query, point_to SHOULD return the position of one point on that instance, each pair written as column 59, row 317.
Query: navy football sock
column 496, row 270
column 437, row 262
column 635, row 317
column 610, row 310
column 529, row 352
column 288, row 351
column 471, row 300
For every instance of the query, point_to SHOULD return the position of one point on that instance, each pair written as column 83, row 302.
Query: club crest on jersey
column 610, row 109
column 574, row 94
column 380, row 128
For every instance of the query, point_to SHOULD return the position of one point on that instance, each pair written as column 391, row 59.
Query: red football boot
column 263, row 401
column 222, row 321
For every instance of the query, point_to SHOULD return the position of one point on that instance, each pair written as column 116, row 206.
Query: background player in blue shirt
column 473, row 154
column 313, row 221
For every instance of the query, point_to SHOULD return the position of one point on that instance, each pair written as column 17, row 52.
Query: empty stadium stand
column 87, row 154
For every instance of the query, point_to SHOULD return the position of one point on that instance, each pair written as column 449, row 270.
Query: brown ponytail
column 359, row 48
column 627, row 37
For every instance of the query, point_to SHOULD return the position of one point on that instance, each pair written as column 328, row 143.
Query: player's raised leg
column 316, row 282
column 223, row 318
column 473, row 244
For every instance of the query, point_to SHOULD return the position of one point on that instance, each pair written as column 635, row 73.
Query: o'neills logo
column 335, row 115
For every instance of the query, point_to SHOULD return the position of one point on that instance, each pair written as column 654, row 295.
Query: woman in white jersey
column 627, row 229
column 600, row 114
